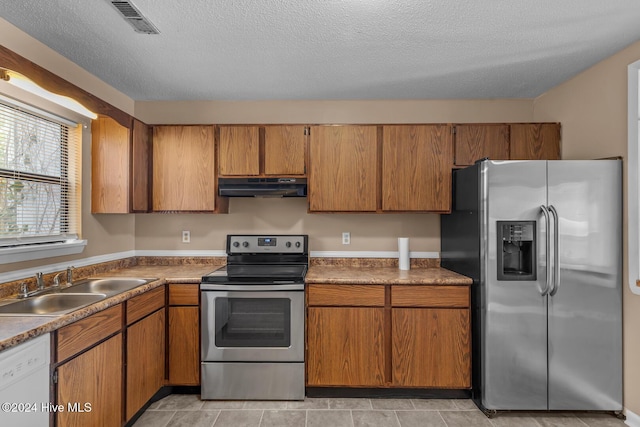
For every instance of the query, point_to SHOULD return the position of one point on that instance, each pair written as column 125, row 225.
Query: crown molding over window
column 55, row 84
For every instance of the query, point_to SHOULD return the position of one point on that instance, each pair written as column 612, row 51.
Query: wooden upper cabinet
column 110, row 151
column 183, row 168
column 284, row 150
column 343, row 164
column 477, row 141
column 271, row 150
column 140, row 167
column 416, row 168
column 535, row 141
column 239, row 150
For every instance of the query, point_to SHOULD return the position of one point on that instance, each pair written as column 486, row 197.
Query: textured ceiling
column 333, row 49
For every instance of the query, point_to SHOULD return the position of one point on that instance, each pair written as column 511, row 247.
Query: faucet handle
column 39, row 280
column 70, row 274
column 24, row 290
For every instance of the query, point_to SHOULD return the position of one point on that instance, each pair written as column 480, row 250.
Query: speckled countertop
column 17, row 329
column 339, row 275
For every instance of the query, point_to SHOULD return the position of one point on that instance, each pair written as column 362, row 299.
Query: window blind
column 39, row 177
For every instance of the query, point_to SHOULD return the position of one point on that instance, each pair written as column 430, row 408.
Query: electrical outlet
column 346, row 238
column 186, row 236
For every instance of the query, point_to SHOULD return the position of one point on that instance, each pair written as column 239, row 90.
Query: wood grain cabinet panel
column 140, row 167
column 430, row 296
column 110, row 166
column 347, row 347
column 84, row 333
column 477, row 141
column 284, row 150
column 184, row 294
column 145, row 361
column 346, row 295
column 184, row 334
column 535, row 141
column 416, row 168
column 343, row 171
column 239, row 150
column 145, row 304
column 94, row 377
column 431, row 348
column 184, row 169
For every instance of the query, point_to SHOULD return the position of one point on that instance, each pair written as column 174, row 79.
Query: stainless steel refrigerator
column 542, row 241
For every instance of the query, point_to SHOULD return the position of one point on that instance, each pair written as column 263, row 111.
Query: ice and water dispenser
column 516, row 250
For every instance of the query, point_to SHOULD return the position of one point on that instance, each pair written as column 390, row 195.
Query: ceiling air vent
column 132, row 15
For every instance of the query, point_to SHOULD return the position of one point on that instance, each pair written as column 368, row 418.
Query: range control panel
column 283, row 244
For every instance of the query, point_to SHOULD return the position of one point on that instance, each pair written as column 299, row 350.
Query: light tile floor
column 180, row 410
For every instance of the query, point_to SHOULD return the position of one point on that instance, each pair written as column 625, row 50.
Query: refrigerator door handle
column 556, row 252
column 545, row 212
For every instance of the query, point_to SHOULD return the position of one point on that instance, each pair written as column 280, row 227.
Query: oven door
column 252, row 326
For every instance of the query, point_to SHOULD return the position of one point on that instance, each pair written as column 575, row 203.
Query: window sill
column 49, row 250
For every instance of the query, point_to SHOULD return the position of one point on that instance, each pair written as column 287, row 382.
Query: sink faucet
column 39, row 281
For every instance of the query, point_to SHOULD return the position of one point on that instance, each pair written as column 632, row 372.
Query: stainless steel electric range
column 253, row 320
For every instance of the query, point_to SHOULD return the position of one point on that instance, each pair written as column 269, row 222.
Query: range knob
column 297, row 244
column 245, row 244
column 236, row 244
column 288, row 244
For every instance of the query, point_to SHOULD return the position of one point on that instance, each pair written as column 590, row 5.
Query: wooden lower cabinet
column 346, row 346
column 94, row 378
column 145, row 360
column 184, row 345
column 402, row 336
column 431, row 347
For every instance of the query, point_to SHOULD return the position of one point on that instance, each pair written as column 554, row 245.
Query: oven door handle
column 279, row 287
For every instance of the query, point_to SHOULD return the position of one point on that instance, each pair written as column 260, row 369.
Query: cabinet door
column 477, row 141
column 416, row 168
column 343, row 168
column 239, row 150
column 184, row 346
column 109, row 166
column 140, row 164
column 345, row 346
column 94, row 378
column 145, row 360
column 535, row 141
column 183, row 168
column 431, row 348
column 284, row 150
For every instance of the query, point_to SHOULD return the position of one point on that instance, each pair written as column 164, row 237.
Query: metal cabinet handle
column 556, row 251
column 545, row 212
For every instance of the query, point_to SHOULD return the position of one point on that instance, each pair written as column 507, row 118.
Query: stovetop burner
column 258, row 272
column 263, row 259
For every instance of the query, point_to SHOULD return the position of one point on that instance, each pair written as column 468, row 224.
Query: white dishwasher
column 24, row 384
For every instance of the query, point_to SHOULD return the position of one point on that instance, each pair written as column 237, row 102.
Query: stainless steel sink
column 50, row 304
column 109, row 285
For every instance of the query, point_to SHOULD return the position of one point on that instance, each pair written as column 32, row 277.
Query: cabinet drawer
column 144, row 304
column 84, row 333
column 184, row 294
column 430, row 296
column 346, row 295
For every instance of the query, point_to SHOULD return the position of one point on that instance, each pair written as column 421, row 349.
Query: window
column 39, row 182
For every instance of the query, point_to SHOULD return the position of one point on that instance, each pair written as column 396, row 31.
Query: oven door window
column 252, row 322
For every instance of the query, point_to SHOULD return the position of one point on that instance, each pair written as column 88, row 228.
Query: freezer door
column 585, row 311
column 513, row 313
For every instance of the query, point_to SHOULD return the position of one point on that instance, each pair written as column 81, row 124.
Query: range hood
column 262, row 187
